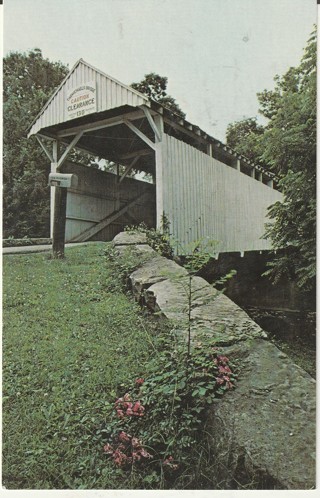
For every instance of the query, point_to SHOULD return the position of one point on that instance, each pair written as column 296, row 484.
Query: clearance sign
column 81, row 100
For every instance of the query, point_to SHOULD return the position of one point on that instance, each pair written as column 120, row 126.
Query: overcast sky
column 217, row 54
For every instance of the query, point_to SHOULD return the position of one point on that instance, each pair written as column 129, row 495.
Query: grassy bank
column 68, row 343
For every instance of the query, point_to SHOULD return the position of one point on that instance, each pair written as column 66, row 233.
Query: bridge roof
column 109, row 94
column 64, row 115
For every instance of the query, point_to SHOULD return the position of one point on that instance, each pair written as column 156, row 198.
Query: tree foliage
column 244, row 137
column 28, row 82
column 287, row 145
column 290, row 148
column 154, row 86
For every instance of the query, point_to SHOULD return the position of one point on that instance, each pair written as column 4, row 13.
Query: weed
column 159, row 240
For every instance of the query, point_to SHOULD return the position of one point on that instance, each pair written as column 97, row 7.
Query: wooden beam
column 151, row 123
column 158, row 119
column 141, row 152
column 270, row 183
column 104, row 123
column 58, row 210
column 159, row 174
column 55, row 154
column 46, row 151
column 188, row 131
column 128, row 168
column 87, row 234
column 59, row 222
column 140, row 134
column 68, row 149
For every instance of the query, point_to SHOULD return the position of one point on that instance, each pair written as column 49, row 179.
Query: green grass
column 68, row 344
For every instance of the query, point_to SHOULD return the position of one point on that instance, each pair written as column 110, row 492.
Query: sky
column 217, row 54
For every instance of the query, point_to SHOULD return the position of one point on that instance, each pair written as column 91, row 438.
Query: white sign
column 81, row 100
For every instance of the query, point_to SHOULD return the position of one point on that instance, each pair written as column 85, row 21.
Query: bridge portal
column 204, row 189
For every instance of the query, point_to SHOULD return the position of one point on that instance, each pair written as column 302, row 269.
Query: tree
column 244, row 137
column 289, row 143
column 287, row 147
column 28, row 82
column 154, row 86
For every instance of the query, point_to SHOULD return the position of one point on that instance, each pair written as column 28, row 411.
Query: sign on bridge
column 81, row 101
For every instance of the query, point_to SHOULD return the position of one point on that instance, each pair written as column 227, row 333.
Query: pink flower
column 222, row 359
column 108, row 449
column 139, row 381
column 136, row 456
column 120, row 458
column 224, row 369
column 168, row 463
column 123, row 437
column 135, row 442
column 145, row 454
column 138, row 409
column 219, row 380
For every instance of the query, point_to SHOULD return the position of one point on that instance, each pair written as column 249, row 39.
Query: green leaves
column 178, row 388
column 244, row 137
column 287, row 146
column 28, row 82
column 154, row 86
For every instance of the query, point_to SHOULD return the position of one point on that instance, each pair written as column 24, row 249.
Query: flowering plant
column 164, row 410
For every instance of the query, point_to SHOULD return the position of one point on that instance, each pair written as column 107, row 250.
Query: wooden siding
column 204, row 198
column 110, row 94
column 96, row 197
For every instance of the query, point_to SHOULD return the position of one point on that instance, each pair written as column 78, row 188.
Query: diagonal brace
column 140, row 134
column 46, row 151
column 90, row 232
column 129, row 168
column 151, row 123
column 68, row 149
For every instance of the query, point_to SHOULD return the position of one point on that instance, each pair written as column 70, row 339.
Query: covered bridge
column 204, row 188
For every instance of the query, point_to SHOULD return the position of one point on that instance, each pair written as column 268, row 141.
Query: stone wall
column 262, row 433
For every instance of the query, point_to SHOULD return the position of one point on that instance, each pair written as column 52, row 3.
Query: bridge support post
column 158, row 119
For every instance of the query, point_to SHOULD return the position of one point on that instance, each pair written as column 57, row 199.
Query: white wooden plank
column 231, row 206
column 140, row 134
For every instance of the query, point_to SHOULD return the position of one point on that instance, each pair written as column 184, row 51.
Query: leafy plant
column 155, row 424
column 159, row 240
column 122, row 266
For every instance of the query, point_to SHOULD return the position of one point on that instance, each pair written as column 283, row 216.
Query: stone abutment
column 262, row 434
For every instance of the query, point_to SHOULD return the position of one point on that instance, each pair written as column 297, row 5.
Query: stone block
column 211, row 312
column 129, row 238
column 156, row 269
column 263, row 432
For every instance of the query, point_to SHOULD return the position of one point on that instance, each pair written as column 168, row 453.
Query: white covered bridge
column 203, row 187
